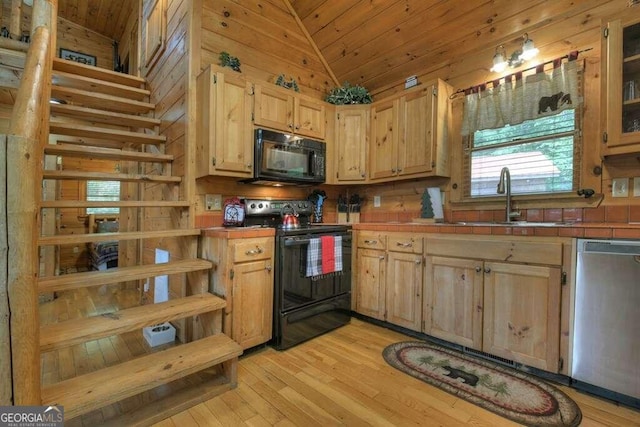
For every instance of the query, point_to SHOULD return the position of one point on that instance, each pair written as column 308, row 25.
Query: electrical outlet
column 376, row 201
column 636, row 187
column 620, row 187
column 213, row 202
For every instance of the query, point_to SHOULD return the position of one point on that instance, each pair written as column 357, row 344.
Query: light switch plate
column 620, row 187
column 636, row 187
column 376, row 201
column 213, row 202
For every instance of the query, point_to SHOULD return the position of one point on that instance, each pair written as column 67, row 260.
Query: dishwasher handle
column 611, row 247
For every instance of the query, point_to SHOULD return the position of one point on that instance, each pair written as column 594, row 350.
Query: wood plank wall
column 70, row 36
column 266, row 39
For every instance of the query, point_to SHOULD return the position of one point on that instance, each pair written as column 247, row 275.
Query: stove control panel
column 274, row 207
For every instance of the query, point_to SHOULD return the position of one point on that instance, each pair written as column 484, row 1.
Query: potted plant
column 287, row 84
column 227, row 60
column 347, row 94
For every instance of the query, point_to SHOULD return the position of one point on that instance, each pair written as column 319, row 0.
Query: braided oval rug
column 507, row 392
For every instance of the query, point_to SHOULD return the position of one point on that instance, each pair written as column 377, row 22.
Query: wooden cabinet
column 453, row 300
column 389, row 278
column 224, row 131
column 409, row 134
column 522, row 313
column 508, row 309
column 404, row 281
column 621, row 85
column 243, row 274
column 288, row 111
column 351, row 141
column 370, row 275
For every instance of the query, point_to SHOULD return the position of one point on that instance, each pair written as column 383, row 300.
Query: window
column 103, row 191
column 543, row 156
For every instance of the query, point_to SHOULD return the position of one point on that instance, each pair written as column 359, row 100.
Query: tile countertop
column 238, row 232
column 578, row 229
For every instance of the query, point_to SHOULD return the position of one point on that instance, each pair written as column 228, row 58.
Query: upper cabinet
column 621, row 85
column 224, row 130
column 351, row 141
column 288, row 111
column 409, row 134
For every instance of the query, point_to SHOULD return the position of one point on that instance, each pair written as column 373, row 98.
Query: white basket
column 159, row 334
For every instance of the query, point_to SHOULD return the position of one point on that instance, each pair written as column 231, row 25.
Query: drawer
column 369, row 240
column 524, row 251
column 405, row 243
column 253, row 249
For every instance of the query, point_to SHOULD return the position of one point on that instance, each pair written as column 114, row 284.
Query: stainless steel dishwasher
column 606, row 340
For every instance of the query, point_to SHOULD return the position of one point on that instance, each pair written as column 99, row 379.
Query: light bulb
column 499, row 63
column 529, row 51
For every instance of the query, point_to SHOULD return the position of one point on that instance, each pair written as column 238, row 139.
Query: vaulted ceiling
column 379, row 43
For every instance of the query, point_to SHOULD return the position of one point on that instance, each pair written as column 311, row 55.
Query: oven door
column 293, row 288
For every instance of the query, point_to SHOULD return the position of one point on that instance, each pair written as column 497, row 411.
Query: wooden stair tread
column 72, row 150
column 73, row 239
column 177, row 401
column 91, row 391
column 12, row 59
column 104, row 116
column 103, row 176
column 72, row 67
column 77, row 331
column 120, row 274
column 100, row 100
column 78, row 81
column 75, row 204
column 75, row 129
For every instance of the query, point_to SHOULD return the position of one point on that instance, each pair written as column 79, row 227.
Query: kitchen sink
column 513, row 223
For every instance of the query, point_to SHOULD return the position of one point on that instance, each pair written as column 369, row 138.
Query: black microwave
column 281, row 159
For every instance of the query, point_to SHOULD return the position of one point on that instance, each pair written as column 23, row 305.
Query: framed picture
column 82, row 58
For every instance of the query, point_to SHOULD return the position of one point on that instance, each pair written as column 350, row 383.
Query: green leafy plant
column 288, row 84
column 227, row 60
column 347, row 94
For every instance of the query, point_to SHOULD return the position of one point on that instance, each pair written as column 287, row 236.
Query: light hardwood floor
column 341, row 378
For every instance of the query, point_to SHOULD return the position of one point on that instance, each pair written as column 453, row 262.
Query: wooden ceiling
column 378, row 44
column 106, row 17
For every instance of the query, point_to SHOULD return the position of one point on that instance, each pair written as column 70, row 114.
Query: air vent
column 491, row 357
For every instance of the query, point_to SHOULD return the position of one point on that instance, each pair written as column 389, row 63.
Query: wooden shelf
column 103, row 116
column 95, row 390
column 100, row 100
column 72, row 150
column 74, row 239
column 124, row 136
column 71, row 332
column 120, row 274
column 87, row 83
column 101, row 176
column 102, row 74
column 76, row 204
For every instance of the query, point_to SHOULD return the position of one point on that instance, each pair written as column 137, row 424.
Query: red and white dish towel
column 324, row 256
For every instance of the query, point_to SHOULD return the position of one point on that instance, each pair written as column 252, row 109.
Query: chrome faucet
column 504, row 185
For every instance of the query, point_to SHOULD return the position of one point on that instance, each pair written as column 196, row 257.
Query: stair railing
column 27, row 132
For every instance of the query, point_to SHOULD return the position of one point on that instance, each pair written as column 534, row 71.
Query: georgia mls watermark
column 31, row 416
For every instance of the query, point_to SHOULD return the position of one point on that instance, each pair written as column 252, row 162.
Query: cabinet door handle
column 418, row 261
column 399, row 170
column 393, row 170
column 268, row 268
column 248, row 165
column 256, row 251
column 405, row 245
column 362, row 174
column 370, row 242
column 381, row 257
column 487, row 270
column 478, row 269
column 297, row 127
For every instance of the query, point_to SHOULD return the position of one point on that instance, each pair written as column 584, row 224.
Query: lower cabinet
column 460, row 289
column 243, row 275
column 508, row 309
column 389, row 278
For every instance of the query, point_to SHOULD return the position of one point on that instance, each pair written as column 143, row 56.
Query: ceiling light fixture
column 517, row 58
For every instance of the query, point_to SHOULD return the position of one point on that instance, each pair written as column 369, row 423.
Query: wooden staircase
column 104, row 116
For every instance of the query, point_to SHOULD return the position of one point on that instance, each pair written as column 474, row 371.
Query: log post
column 15, row 27
column 5, row 333
column 27, row 133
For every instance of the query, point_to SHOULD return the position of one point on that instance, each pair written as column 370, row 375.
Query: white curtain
column 516, row 99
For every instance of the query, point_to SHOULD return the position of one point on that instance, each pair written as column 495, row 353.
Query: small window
column 103, row 191
column 543, row 156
